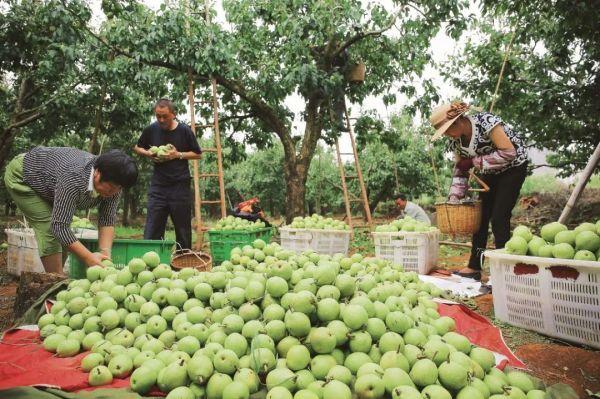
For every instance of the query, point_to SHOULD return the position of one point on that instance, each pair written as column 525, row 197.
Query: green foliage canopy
column 551, row 82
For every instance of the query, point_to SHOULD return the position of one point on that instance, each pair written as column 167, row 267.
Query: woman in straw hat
column 484, row 142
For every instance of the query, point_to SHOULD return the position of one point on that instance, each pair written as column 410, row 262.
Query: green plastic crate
column 223, row 241
column 122, row 252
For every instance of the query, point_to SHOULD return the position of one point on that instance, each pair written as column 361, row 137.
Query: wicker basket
column 198, row 260
column 463, row 218
column 356, row 73
column 458, row 219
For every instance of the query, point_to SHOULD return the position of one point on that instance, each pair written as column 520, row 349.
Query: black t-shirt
column 183, row 139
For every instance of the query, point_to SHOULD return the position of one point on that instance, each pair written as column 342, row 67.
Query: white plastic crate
column 297, row 240
column 415, row 251
column 327, row 242
column 22, row 253
column 331, row 241
column 556, row 297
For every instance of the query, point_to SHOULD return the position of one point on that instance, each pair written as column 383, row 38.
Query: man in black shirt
column 169, row 193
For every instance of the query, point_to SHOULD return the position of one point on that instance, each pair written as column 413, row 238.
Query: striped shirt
column 61, row 175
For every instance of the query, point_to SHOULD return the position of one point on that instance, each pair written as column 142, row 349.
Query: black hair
column 401, row 196
column 117, row 167
column 165, row 102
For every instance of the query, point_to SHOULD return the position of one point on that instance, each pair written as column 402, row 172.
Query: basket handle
column 186, row 252
column 181, row 252
column 484, row 187
column 178, row 247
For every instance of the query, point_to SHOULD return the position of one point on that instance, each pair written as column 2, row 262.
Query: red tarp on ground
column 23, row 360
column 480, row 332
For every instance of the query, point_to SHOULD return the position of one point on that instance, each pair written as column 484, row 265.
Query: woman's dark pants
column 496, row 207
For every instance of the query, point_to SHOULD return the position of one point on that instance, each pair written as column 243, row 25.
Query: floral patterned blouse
column 486, row 156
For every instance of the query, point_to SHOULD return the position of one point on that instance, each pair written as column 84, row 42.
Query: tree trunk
column 94, row 148
column 6, row 145
column 20, row 117
column 296, row 174
column 381, row 194
column 134, row 210
column 296, row 166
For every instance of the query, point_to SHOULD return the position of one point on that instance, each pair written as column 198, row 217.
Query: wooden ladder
column 217, row 149
column 349, row 197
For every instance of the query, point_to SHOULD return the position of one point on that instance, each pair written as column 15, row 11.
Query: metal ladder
column 349, row 197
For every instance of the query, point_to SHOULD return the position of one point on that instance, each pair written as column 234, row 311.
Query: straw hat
column 443, row 116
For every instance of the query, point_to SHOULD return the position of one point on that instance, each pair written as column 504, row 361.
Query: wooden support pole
column 463, row 244
column 361, row 182
column 195, row 164
column 456, row 244
column 506, row 55
column 217, row 134
column 585, row 176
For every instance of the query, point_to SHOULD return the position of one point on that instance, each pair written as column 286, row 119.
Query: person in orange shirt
column 250, row 210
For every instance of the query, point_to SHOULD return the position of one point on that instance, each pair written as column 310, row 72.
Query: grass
column 134, row 232
column 548, row 183
column 138, row 233
column 594, row 182
column 447, row 251
column 362, row 243
column 542, row 183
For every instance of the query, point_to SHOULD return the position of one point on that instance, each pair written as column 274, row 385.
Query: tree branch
column 419, row 11
column 314, row 126
column 360, row 36
column 25, row 121
column 263, row 111
column 37, row 111
column 559, row 165
column 334, row 184
column 118, row 50
column 237, row 117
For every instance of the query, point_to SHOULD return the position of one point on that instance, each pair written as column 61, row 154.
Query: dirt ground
column 549, row 360
column 8, row 291
column 553, row 363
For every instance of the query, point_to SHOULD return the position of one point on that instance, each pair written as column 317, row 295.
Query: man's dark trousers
column 175, row 201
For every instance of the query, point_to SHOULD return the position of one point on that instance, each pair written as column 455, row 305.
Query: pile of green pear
column 273, row 324
column 318, row 222
column 406, row 223
column 238, row 224
column 161, row 151
column 82, row 223
column 557, row 241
